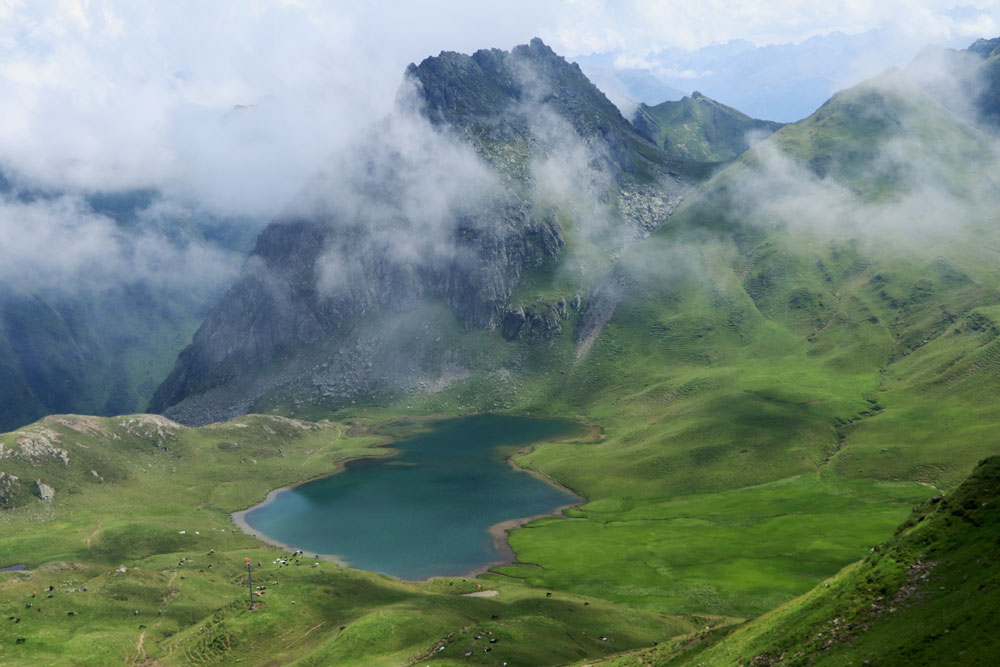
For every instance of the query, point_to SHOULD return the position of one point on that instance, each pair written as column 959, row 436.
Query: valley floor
column 140, row 563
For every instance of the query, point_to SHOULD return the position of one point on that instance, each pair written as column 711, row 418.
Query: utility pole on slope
column 246, row 561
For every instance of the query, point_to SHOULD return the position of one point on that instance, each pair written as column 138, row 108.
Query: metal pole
column 249, row 581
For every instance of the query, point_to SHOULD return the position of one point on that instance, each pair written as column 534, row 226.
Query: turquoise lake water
column 427, row 511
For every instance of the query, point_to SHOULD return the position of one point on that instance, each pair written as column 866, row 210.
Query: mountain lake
column 437, row 507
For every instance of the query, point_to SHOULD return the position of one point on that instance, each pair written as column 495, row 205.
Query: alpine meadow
column 525, row 362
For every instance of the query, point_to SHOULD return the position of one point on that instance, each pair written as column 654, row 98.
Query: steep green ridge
column 139, row 524
column 887, row 138
column 699, row 128
column 927, row 596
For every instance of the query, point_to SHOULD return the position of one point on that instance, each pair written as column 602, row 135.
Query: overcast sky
column 107, row 95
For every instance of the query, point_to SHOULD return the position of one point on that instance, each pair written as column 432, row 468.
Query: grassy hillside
column 701, row 129
column 927, row 596
column 135, row 559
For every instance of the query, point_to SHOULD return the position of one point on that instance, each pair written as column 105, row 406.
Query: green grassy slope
column 927, row 596
column 145, row 564
column 721, row 432
column 699, row 128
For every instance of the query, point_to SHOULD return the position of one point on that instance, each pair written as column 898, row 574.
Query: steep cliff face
column 307, row 280
column 499, row 96
column 274, row 302
column 465, row 198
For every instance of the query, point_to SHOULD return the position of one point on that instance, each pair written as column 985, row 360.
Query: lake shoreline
column 499, row 531
column 239, row 519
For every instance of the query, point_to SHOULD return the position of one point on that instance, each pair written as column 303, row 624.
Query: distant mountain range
column 781, row 82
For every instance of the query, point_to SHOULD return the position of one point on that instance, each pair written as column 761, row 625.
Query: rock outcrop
column 35, row 444
column 45, row 492
column 8, row 489
column 535, row 323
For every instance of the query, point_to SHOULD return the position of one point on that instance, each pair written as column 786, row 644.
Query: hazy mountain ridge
column 99, row 291
column 701, row 129
column 780, row 82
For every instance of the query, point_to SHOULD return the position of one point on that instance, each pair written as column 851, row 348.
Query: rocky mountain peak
column 984, row 48
column 455, row 86
column 497, row 96
column 455, row 202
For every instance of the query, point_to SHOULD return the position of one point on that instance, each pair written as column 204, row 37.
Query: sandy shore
column 239, row 518
column 500, row 533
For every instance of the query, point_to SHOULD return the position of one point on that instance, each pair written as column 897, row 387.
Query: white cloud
column 628, row 61
column 235, row 104
column 61, row 243
column 639, row 27
column 99, row 95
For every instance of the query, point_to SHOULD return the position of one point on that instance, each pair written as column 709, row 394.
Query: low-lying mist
column 904, row 160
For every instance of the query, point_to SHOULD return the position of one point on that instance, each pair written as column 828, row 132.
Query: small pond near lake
column 426, row 511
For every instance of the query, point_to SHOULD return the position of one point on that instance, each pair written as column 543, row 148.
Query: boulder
column 45, row 492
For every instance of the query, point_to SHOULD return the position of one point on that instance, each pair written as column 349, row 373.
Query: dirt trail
column 91, row 536
column 171, row 592
column 140, row 651
column 300, row 638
